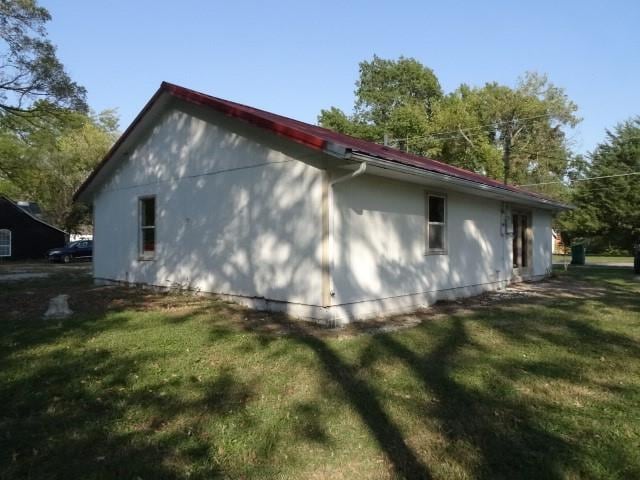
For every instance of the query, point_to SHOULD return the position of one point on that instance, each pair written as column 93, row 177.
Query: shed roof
column 29, row 213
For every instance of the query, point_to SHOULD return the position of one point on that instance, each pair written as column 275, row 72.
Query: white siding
column 239, row 212
column 380, row 264
column 380, row 241
column 542, row 242
column 234, row 215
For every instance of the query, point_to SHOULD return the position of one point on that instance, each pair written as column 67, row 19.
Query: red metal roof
column 312, row 136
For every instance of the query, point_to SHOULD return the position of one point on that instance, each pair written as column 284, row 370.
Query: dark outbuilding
column 25, row 236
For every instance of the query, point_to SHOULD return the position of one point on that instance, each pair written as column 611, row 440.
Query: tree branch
column 466, row 137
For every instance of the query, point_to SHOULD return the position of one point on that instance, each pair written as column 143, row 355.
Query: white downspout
column 361, row 169
column 505, row 233
column 330, row 208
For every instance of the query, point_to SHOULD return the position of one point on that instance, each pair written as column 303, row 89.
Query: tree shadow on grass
column 505, row 433
column 82, row 415
column 48, row 411
column 363, row 398
column 510, row 433
column 510, row 442
column 62, row 395
column 565, row 324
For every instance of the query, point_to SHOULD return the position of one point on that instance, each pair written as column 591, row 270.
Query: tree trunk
column 506, row 157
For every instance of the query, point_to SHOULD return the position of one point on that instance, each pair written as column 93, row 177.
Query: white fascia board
column 467, row 185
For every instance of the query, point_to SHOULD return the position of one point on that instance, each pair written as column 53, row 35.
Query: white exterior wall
column 239, row 212
column 233, row 215
column 381, row 265
column 542, row 243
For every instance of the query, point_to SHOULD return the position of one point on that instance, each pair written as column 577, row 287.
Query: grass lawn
column 139, row 385
column 595, row 259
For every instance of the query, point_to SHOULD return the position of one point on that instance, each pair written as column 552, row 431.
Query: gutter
column 442, row 177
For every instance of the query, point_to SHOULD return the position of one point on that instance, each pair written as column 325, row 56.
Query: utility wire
column 582, row 179
column 467, row 129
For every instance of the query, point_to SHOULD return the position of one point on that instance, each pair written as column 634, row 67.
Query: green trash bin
column 578, row 254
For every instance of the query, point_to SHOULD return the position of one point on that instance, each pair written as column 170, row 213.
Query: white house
column 282, row 215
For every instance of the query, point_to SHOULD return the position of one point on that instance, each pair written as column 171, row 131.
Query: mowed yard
column 596, row 260
column 138, row 385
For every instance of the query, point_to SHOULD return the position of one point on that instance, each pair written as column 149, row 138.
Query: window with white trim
column 436, row 224
column 5, row 243
column 147, row 215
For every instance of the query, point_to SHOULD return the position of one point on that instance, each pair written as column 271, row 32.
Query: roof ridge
column 313, row 136
column 307, row 124
column 392, row 150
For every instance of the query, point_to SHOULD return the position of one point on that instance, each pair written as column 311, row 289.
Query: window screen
column 5, row 243
column 436, row 224
column 147, row 226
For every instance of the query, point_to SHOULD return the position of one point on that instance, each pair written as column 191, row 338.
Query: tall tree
column 33, row 81
column 607, row 208
column 393, row 97
column 386, row 85
column 50, row 158
column 528, row 122
column 513, row 134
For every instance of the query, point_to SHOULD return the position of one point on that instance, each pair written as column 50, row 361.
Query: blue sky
column 295, row 58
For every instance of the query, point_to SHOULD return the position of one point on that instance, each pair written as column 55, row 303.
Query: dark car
column 80, row 250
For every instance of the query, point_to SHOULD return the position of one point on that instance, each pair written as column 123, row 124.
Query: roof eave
column 309, row 139
column 29, row 214
column 82, row 192
column 453, row 180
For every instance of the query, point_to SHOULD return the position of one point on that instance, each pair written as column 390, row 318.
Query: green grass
column 595, row 259
column 138, row 385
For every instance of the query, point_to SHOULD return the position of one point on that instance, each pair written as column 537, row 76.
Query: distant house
column 283, row 215
column 23, row 234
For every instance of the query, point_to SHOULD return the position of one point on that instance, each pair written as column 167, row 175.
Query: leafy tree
column 393, row 97
column 386, row 85
column 459, row 134
column 337, row 120
column 48, row 160
column 607, row 208
column 514, row 134
column 33, row 82
column 528, row 122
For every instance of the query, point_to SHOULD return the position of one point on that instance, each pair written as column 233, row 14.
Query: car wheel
column 66, row 259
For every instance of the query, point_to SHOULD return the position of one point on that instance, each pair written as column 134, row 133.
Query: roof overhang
column 30, row 215
column 144, row 118
column 385, row 160
column 390, row 169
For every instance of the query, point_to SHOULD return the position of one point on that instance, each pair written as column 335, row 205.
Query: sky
column 295, row 58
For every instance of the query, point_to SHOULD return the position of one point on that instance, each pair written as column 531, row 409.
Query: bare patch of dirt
column 29, row 298
column 524, row 292
column 8, row 268
column 13, row 277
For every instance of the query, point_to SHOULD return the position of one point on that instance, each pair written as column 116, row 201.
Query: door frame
column 517, row 269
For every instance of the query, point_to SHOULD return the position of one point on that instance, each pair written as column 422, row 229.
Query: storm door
column 521, row 242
